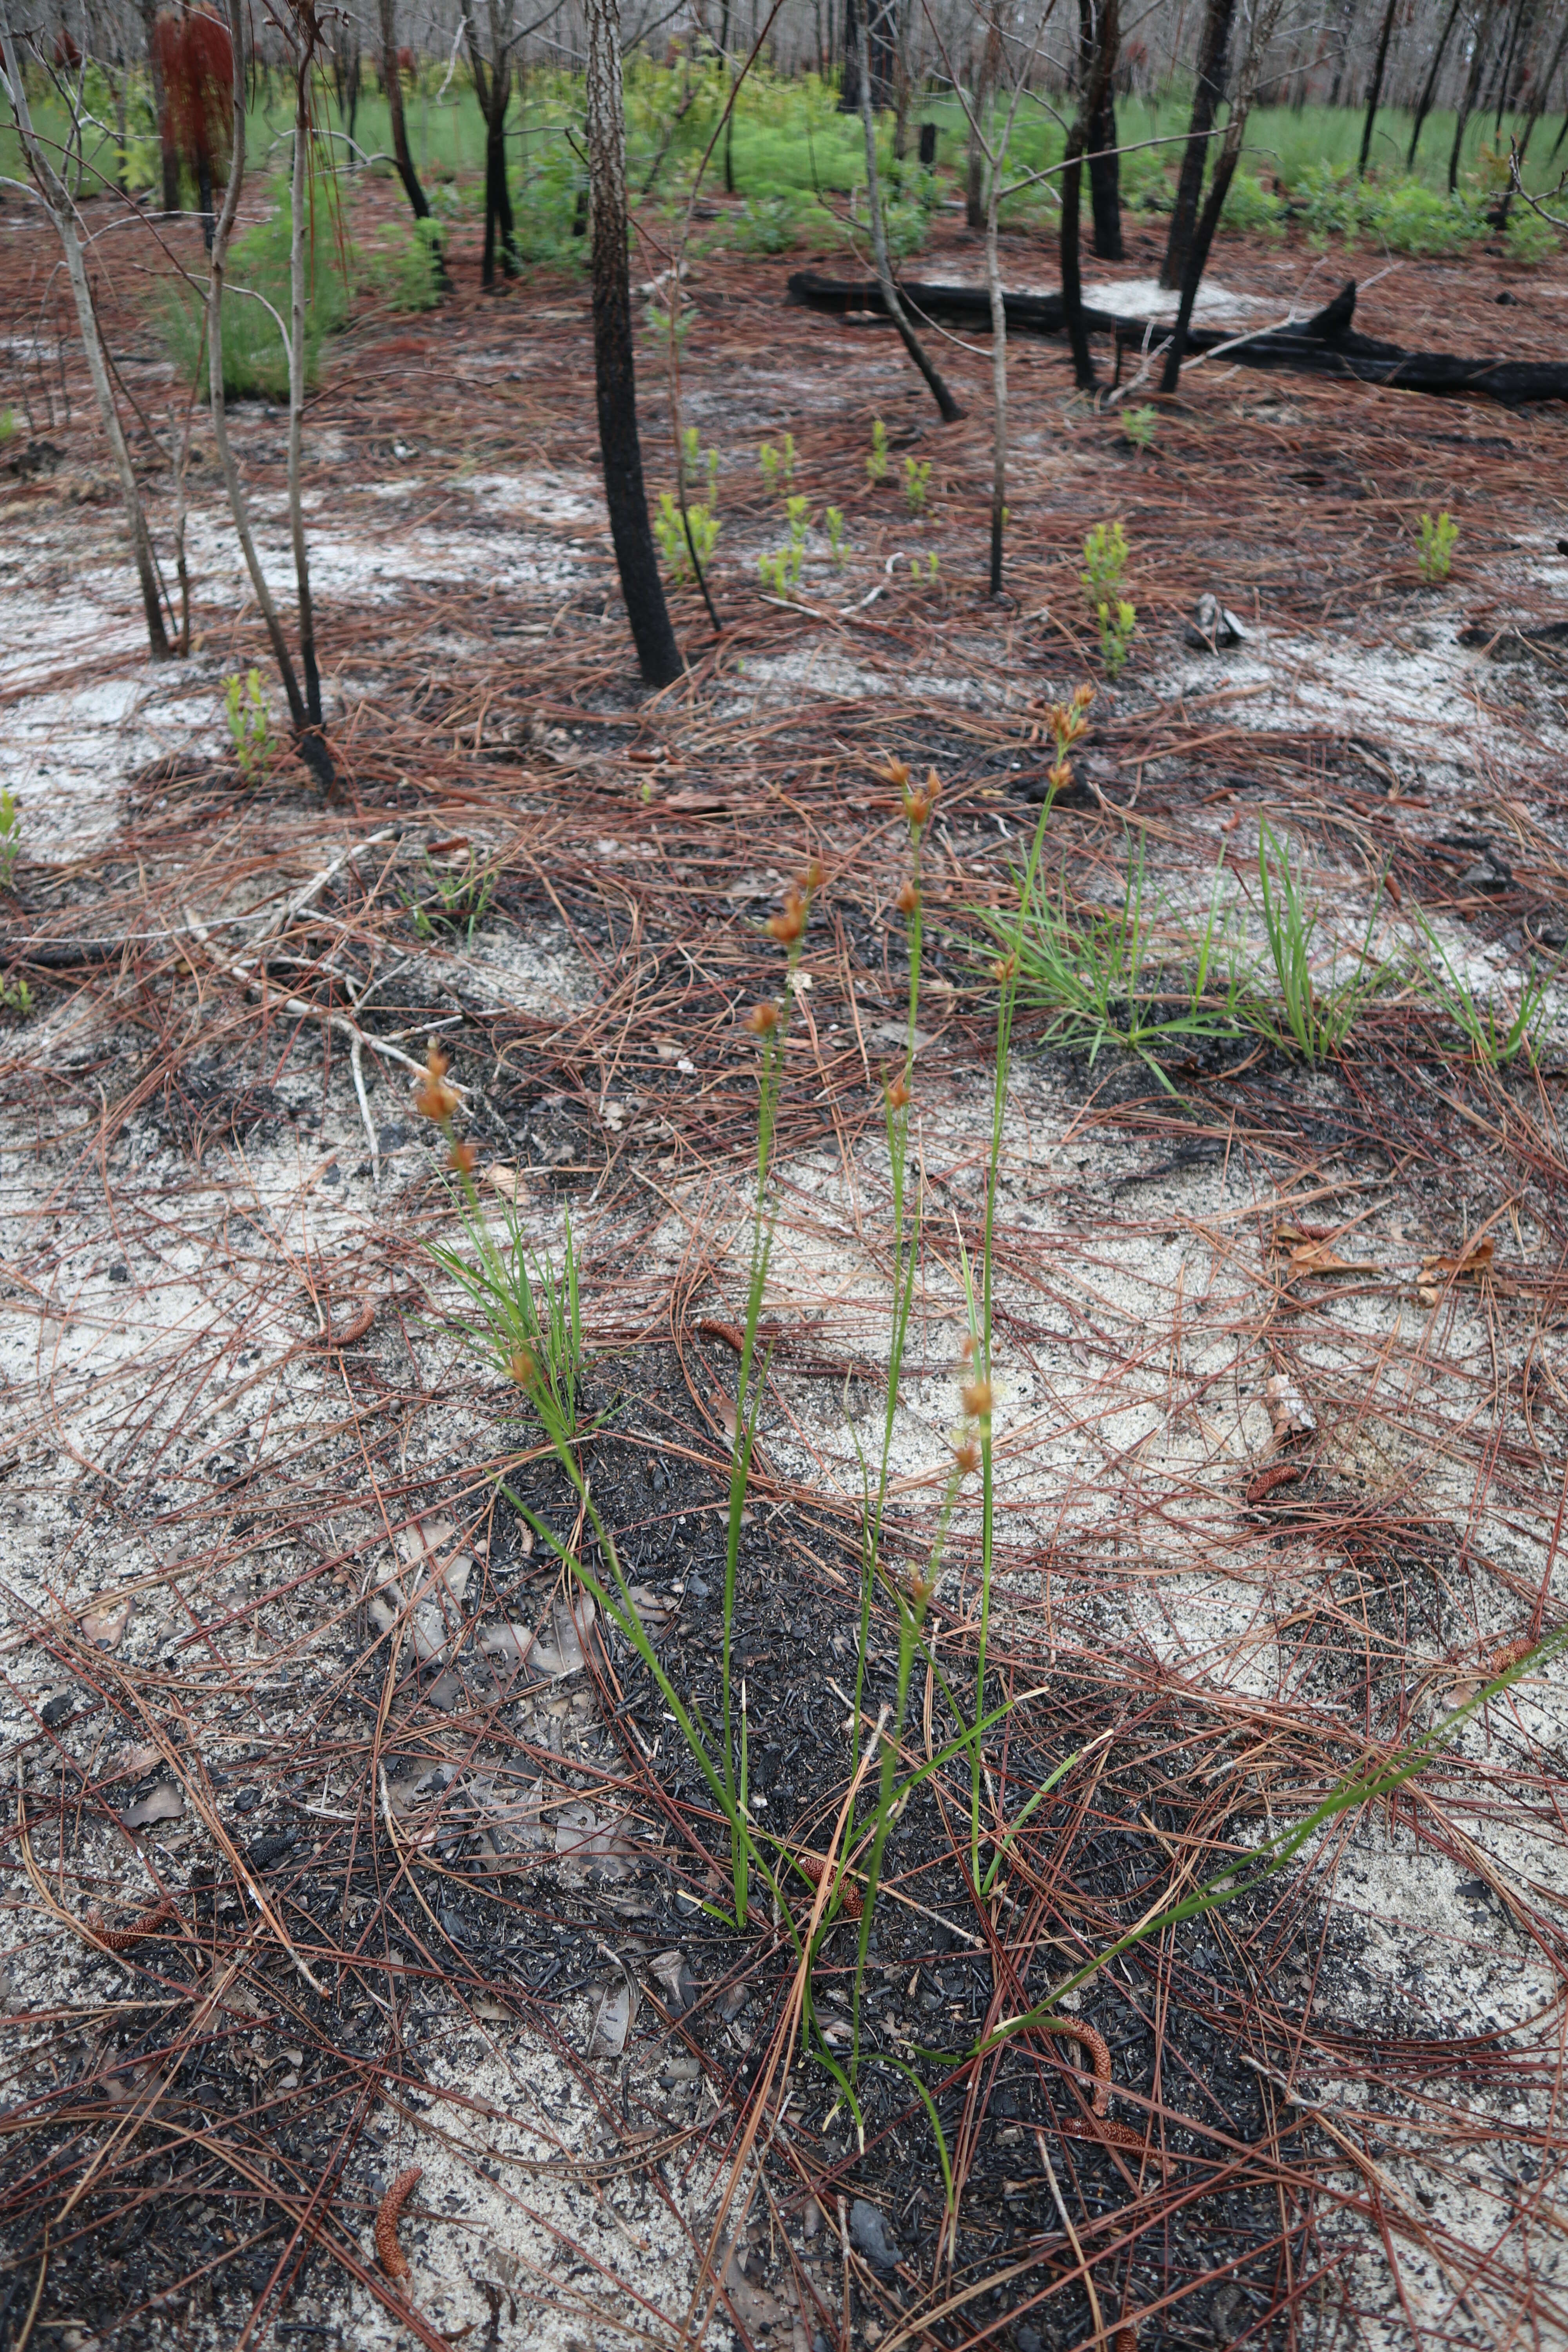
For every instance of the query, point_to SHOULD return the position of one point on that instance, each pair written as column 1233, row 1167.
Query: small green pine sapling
column 669, row 530
column 695, row 462
column 16, row 997
column 837, row 542
column 1117, row 624
column 1434, row 545
column 8, row 423
column 1105, row 565
column 877, row 463
column 926, row 572
column 10, row 835
column 778, row 464
column 1139, row 426
column 917, row 484
column 781, row 572
column 252, row 737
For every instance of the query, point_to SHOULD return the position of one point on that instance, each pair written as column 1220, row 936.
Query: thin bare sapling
column 949, row 407
column 60, row 205
column 309, row 738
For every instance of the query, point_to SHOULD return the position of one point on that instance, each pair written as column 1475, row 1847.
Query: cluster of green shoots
column 877, row 463
column 1103, row 577
column 1139, row 424
column 781, row 572
column 524, row 1316
column 917, row 484
column 925, row 575
column 686, row 540
column 778, row 464
column 249, row 732
column 1435, row 544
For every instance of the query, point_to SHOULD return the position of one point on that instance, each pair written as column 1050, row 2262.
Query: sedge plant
column 1319, row 1012
column 1495, row 1033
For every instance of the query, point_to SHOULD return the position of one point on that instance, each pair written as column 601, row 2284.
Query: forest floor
column 1282, row 1382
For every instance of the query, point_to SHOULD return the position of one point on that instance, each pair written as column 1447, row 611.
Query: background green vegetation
column 796, row 164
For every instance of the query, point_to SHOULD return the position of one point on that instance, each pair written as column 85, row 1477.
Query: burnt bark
column 1214, row 55
column 492, row 88
column 1265, row 17
column 1429, row 87
column 1466, row 104
column 392, row 83
column 1103, row 38
column 1375, row 92
column 849, row 85
column 615, row 381
column 1095, row 29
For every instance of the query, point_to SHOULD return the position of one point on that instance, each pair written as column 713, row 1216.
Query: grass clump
column 1317, row 1013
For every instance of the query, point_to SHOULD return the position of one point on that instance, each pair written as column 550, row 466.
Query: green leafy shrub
column 1409, row 218
column 1331, row 198
column 1528, row 238
column 766, row 224
column 1145, row 181
column 1251, row 209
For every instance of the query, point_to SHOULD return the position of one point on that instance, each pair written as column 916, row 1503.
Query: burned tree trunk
column 849, row 86
column 1266, row 15
column 1467, row 103
column 492, row 88
column 1375, row 92
column 1429, row 87
column 392, row 83
column 1209, row 88
column 1103, row 37
column 620, row 446
column 1104, row 166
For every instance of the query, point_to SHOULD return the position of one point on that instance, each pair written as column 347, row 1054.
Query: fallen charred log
column 1325, row 344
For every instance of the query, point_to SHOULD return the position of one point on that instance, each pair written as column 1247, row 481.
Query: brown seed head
column 894, row 772
column 921, row 1587
column 763, row 1019
column 433, row 1098
column 788, row 924
column 1060, row 776
column 898, row 1093
column 966, row 1349
column 1005, row 968
column 463, row 1157
column 966, row 1457
column 813, row 875
column 1082, row 695
column 524, row 1367
column 977, row 1400
column 907, row 900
